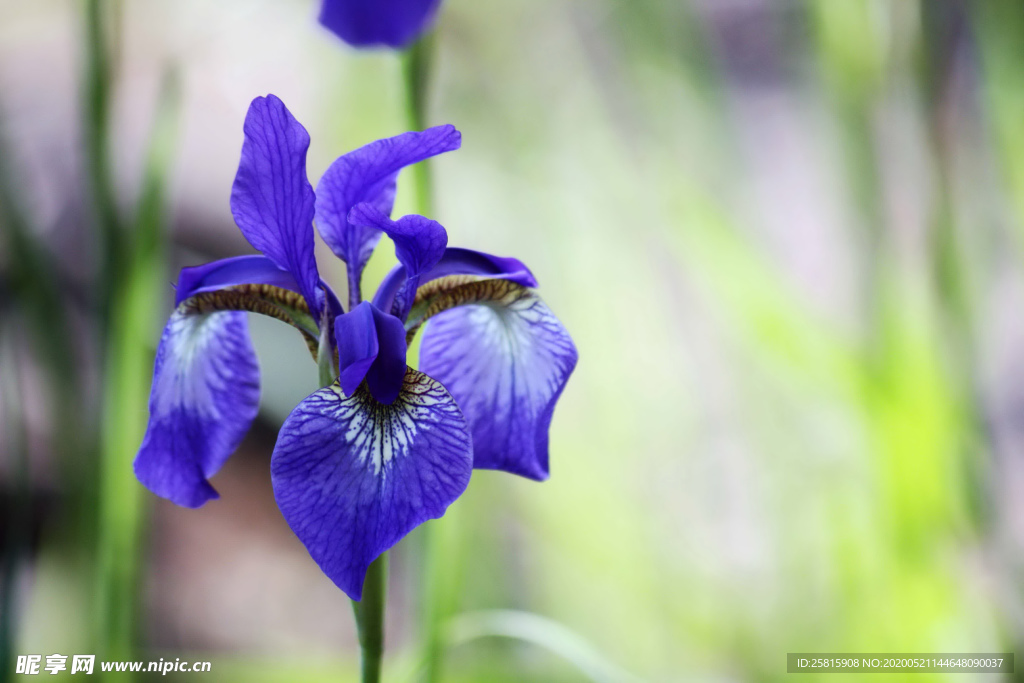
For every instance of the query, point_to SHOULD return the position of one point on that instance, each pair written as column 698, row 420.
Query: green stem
column 369, row 614
column 416, row 64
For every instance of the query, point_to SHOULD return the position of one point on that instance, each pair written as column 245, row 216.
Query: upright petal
column 506, row 361
column 352, row 477
column 368, row 175
column 371, row 345
column 368, row 23
column 271, row 200
column 204, row 397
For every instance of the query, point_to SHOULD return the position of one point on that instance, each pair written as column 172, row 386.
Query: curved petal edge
column 368, row 174
column 272, row 201
column 506, row 362
column 353, row 476
column 204, row 398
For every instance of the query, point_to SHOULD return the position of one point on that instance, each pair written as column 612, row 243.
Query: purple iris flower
column 372, row 23
column 359, row 463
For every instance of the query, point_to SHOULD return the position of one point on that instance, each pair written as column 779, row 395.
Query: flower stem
column 370, row 618
column 416, row 64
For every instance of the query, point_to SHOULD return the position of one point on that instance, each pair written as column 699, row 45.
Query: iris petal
column 419, row 245
column 506, row 362
column 358, row 347
column 229, row 272
column 371, row 345
column 457, row 261
column 368, row 175
column 272, row 200
column 352, row 477
column 243, row 270
column 419, row 242
column 385, row 376
column 205, row 395
column 366, row 23
column 454, row 261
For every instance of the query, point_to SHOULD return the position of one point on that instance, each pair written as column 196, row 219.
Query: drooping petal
column 229, row 272
column 272, row 200
column 243, row 270
column 506, row 361
column 371, row 345
column 455, row 261
column 368, row 175
column 205, row 395
column 369, row 23
column 352, row 477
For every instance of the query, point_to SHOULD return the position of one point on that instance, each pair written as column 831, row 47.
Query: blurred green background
column 787, row 237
